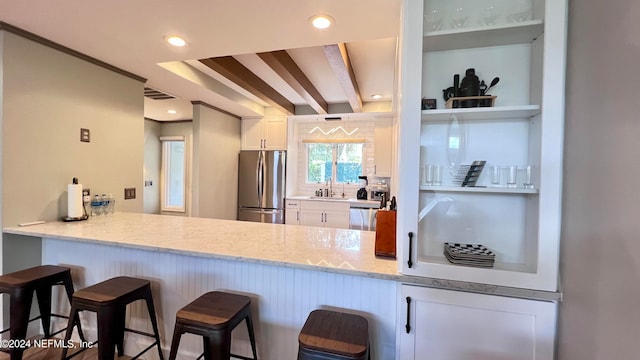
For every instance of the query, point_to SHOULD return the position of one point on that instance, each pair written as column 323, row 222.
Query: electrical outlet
column 86, row 195
column 129, row 193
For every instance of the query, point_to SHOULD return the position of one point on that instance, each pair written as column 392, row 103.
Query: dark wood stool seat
column 20, row 286
column 213, row 316
column 109, row 300
column 334, row 335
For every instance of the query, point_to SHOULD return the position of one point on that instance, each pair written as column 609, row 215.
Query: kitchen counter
column 325, row 249
column 373, row 204
column 349, row 252
column 287, row 270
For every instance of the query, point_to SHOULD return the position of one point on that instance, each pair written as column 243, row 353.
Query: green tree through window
column 347, row 158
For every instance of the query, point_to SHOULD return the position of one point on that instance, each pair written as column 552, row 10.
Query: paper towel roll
column 74, row 201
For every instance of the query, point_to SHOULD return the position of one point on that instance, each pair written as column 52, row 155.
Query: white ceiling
column 129, row 34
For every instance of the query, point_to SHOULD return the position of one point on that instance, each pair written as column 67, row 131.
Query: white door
column 440, row 324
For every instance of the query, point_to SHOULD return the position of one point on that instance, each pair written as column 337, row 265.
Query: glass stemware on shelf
column 490, row 13
column 519, row 11
column 460, row 14
column 459, row 17
column 433, row 19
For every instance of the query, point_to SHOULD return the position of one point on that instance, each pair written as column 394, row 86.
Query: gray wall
column 600, row 262
column 152, row 165
column 216, row 141
column 48, row 96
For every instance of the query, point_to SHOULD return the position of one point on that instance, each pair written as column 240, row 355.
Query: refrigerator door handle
column 259, row 177
column 262, row 178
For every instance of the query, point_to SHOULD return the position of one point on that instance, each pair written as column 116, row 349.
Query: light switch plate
column 85, row 135
column 129, row 193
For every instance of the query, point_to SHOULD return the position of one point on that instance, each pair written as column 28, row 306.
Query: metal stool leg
column 217, row 345
column 154, row 322
column 20, row 306
column 106, row 333
column 44, row 305
column 175, row 342
column 73, row 319
column 252, row 337
column 68, row 287
column 119, row 318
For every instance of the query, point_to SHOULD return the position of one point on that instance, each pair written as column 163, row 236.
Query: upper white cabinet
column 452, row 325
column 383, row 141
column 267, row 133
column 519, row 222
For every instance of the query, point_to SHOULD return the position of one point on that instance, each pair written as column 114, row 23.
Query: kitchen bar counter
column 349, row 252
column 335, row 250
column 287, row 270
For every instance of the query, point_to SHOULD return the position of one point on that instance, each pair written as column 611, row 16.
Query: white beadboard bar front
column 288, row 271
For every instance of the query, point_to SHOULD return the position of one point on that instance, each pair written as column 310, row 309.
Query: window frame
column 164, row 183
column 334, row 154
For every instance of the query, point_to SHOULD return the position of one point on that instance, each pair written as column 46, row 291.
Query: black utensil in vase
column 483, row 88
column 494, row 82
column 487, row 102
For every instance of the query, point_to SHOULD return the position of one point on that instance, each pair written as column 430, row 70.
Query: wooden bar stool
column 332, row 335
column 20, row 286
column 109, row 300
column 214, row 315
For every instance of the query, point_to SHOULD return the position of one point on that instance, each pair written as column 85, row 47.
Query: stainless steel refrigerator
column 261, row 186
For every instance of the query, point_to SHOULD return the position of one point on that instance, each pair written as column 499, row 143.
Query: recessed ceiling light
column 376, row 96
column 172, row 112
column 176, row 41
column 321, row 21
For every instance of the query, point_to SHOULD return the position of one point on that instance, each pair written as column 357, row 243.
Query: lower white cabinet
column 440, row 324
column 331, row 214
column 292, row 212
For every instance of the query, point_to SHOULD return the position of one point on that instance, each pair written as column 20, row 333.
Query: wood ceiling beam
column 290, row 72
column 339, row 59
column 233, row 70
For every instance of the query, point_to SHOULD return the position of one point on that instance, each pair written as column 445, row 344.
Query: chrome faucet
column 330, row 185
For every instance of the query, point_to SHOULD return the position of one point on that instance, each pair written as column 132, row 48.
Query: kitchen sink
column 329, row 198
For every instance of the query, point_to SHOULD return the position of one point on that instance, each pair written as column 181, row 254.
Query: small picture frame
column 429, row 104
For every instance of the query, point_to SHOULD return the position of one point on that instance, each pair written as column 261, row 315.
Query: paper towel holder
column 74, row 181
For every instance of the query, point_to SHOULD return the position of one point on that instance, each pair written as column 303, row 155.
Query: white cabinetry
column 521, row 225
column 267, row 133
column 292, row 212
column 452, row 325
column 382, row 154
column 331, row 214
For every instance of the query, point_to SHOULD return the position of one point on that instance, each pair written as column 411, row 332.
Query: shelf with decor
column 516, row 131
column 482, row 233
column 482, row 113
column 483, row 36
column 478, row 189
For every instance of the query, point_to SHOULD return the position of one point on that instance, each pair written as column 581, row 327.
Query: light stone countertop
column 316, row 248
column 348, row 252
